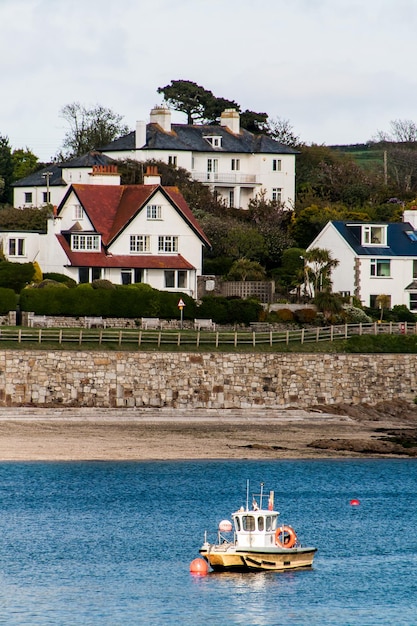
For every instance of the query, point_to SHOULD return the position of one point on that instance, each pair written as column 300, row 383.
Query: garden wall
column 202, row 380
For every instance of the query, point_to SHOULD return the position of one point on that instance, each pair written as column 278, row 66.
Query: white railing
column 231, row 179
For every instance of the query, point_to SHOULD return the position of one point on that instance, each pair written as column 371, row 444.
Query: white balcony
column 232, row 178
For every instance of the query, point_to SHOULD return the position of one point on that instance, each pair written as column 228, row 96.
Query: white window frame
column 214, row 140
column 373, row 235
column 168, row 243
column 178, row 279
column 172, row 160
column 140, row 243
column 85, row 242
column 154, row 212
column 378, row 263
column 17, row 247
column 28, row 197
column 235, row 165
column 277, row 194
column 276, row 165
column 78, row 212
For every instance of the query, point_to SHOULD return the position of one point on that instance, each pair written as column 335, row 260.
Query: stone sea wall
column 202, row 380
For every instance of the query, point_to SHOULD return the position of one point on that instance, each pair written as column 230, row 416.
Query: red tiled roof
column 143, row 261
column 111, row 207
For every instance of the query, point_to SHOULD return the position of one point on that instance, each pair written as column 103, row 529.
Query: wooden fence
column 188, row 338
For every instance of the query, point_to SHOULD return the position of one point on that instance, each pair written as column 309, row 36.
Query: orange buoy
column 199, row 567
column 354, row 502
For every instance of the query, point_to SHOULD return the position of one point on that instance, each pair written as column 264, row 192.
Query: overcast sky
column 338, row 70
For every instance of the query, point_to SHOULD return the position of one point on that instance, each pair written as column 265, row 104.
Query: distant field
column 367, row 156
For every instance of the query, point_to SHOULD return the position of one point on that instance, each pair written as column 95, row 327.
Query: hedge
column 8, row 300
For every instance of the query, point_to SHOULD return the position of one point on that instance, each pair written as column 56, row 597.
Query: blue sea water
column 111, row 543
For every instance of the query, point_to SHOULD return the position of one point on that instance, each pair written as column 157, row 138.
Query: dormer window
column 374, row 235
column 85, row 243
column 214, row 141
column 154, row 212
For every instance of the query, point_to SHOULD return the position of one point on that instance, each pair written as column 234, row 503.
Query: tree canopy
column 90, row 128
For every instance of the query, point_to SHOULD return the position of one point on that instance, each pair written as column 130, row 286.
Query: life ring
column 285, row 537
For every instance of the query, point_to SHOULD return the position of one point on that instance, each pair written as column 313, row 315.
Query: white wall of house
column 21, row 247
column 31, row 197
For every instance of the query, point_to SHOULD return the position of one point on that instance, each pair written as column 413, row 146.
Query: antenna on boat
column 247, row 495
column 260, row 495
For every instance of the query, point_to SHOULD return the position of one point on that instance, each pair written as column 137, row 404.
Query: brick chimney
column 162, row 117
column 231, row 119
column 152, row 176
column 104, row 175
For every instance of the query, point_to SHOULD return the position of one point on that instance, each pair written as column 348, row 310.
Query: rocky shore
column 388, row 429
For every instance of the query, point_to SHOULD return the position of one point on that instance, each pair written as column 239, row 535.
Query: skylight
column 411, row 234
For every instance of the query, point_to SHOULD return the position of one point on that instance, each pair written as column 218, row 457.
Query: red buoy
column 355, row 502
column 199, row 567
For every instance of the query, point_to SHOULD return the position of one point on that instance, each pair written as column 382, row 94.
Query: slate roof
column 191, row 137
column 399, row 243
column 55, row 180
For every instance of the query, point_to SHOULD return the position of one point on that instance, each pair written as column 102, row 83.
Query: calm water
column 111, row 543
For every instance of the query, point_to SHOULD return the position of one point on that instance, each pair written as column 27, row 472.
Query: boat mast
column 247, row 495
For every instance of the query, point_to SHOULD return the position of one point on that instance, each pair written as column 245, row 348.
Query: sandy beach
column 64, row 434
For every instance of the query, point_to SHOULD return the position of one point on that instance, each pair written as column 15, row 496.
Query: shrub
column 60, row 278
column 305, row 316
column 229, row 310
column 8, row 300
column 16, row 275
column 284, row 315
column 355, row 315
column 102, row 283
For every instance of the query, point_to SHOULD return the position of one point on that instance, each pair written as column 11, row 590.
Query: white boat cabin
column 255, row 528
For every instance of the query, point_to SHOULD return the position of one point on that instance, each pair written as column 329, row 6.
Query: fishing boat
column 255, row 540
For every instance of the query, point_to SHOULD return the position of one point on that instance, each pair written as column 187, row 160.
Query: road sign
column 181, row 303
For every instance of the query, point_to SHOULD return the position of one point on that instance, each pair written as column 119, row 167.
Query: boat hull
column 229, row 558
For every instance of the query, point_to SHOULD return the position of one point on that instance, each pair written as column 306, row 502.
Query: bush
column 229, row 310
column 305, row 316
column 8, row 300
column 102, row 283
column 60, row 278
column 403, row 314
column 16, row 275
column 281, row 316
column 355, row 315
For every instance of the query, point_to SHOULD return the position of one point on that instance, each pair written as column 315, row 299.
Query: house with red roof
column 123, row 233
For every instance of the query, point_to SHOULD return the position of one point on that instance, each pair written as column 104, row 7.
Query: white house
column 49, row 185
column 123, row 233
column 235, row 163
column 374, row 259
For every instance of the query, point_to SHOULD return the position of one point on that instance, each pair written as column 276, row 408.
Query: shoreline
column 87, row 434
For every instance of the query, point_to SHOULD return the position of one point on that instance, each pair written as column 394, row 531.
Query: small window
column 46, row 197
column 413, row 301
column 277, row 194
column 276, row 165
column 140, row 243
column 85, row 243
column 260, row 523
column 216, row 142
column 182, row 279
column 414, row 268
column 248, row 522
column 231, row 198
column 78, row 212
column 381, row 268
column 154, row 212
column 167, row 243
column 374, row 235
column 83, row 274
column 28, row 197
column 126, row 276
column 235, row 164
column 169, row 278
column 172, row 160
column 16, row 247
column 95, row 273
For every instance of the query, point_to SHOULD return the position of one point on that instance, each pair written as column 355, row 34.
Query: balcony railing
column 234, row 178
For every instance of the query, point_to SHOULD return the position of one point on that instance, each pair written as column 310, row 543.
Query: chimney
column 152, row 176
column 231, row 119
column 140, row 135
column 162, row 117
column 410, row 216
column 104, row 175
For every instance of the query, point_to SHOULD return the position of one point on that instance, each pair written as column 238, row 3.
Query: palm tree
column 319, row 265
column 383, row 302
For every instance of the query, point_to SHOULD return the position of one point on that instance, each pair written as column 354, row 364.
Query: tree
column 319, row 265
column 244, row 269
column 383, row 302
column 6, row 171
column 328, row 303
column 400, row 131
column 90, row 128
column 16, row 275
column 187, row 97
column 281, row 130
column 24, row 163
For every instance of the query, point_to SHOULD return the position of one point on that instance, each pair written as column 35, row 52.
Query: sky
column 338, row 71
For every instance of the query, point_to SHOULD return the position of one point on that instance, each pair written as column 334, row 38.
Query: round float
column 199, row 567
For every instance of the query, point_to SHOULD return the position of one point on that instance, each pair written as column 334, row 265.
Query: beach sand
column 67, row 434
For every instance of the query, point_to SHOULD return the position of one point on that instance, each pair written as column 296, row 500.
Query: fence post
column 360, row 329
column 120, row 337
column 288, row 337
column 254, row 339
column 270, row 338
column 217, row 339
column 139, row 338
column 346, row 331
column 20, row 335
column 60, row 336
column 317, row 334
column 302, row 335
column 179, row 339
column 80, row 338
column 198, row 338
column 100, row 337
column 235, row 339
column 159, row 339
column 331, row 332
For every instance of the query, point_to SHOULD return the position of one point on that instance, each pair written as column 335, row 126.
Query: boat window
column 268, row 522
column 248, row 522
column 237, row 523
column 260, row 523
